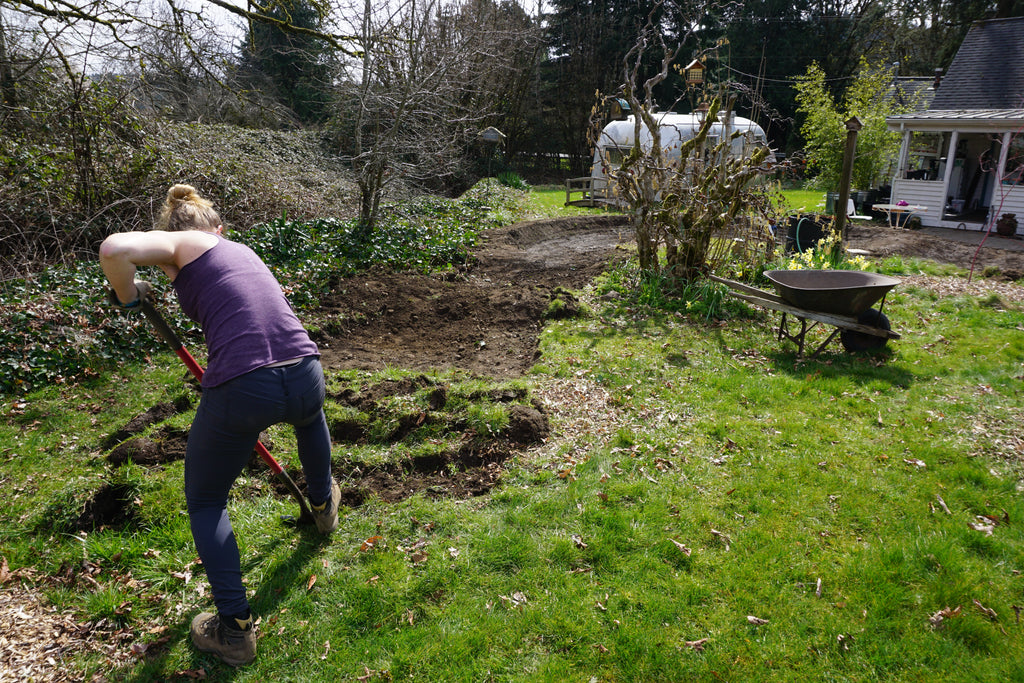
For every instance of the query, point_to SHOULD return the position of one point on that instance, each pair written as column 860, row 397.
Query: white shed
column 962, row 159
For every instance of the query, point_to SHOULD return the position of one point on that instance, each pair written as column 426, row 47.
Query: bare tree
column 74, row 148
column 429, row 79
column 680, row 204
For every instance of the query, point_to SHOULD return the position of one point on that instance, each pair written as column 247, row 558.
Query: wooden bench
column 593, row 191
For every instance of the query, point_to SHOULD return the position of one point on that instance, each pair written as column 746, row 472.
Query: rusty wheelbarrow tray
column 840, row 298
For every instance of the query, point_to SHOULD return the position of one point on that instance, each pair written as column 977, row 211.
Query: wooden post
column 852, row 126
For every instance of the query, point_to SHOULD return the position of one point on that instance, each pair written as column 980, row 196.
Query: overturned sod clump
column 153, row 416
column 166, row 445
column 439, row 437
column 452, row 438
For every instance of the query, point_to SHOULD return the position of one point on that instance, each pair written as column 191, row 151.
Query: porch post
column 901, row 165
column 948, row 173
column 1004, row 152
column 997, row 191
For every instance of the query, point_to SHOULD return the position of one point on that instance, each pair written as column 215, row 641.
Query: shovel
column 168, row 335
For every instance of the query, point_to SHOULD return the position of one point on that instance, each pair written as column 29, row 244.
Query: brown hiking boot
column 326, row 514
column 235, row 645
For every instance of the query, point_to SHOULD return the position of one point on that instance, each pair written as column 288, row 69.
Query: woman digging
column 263, row 369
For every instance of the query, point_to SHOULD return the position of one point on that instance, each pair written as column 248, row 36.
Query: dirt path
column 486, row 317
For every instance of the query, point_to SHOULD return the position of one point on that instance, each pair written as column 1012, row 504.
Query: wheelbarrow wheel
column 862, row 341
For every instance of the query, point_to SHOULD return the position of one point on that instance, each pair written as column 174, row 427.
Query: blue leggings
column 224, row 432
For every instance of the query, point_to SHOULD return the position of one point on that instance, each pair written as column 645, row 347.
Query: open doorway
column 973, row 180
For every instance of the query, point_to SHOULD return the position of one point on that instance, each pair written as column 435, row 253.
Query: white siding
column 1012, row 197
column 926, row 193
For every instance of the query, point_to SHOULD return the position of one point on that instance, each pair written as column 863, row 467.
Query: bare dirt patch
column 958, row 247
column 484, row 318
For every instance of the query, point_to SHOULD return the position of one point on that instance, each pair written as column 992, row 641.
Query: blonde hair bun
column 185, row 209
column 181, row 193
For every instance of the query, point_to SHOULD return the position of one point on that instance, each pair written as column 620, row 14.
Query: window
column 923, row 159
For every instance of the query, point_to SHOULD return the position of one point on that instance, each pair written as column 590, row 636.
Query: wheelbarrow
column 840, row 298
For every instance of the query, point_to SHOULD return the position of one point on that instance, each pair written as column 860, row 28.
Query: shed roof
column 988, row 70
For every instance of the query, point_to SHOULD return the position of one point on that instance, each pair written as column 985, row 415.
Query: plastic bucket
column 805, row 232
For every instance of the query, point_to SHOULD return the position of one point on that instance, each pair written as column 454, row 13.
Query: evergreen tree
column 925, row 34
column 587, row 40
column 292, row 67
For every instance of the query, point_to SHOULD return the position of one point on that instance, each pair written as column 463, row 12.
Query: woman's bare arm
column 122, row 253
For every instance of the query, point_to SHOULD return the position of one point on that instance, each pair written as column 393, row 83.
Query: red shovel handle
column 168, row 335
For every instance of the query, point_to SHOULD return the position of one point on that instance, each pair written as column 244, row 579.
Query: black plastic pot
column 806, row 231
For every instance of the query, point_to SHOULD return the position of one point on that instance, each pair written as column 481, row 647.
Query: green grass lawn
column 709, row 507
column 549, row 200
column 804, row 201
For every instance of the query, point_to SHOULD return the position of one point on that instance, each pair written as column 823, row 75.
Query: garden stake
column 168, row 335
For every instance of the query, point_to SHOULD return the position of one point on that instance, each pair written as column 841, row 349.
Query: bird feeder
column 694, row 73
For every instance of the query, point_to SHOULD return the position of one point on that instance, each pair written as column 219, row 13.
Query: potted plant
column 1007, row 225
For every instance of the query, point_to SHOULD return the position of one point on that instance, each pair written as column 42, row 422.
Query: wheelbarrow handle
column 172, row 340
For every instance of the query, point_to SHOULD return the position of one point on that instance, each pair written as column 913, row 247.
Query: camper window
column 613, row 156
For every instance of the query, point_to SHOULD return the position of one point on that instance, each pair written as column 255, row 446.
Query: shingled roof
column 988, row 70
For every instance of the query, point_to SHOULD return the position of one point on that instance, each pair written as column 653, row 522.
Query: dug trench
column 484, row 319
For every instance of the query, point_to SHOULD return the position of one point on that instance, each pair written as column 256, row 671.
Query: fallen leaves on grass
column 937, row 619
column 681, row 547
column 370, row 674
column 987, row 611
column 38, row 641
column 983, row 525
column 697, row 645
column 580, row 411
column 516, row 600
column 1008, row 292
column 371, row 543
column 722, row 537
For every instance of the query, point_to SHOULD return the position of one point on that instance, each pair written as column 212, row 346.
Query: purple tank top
column 247, row 321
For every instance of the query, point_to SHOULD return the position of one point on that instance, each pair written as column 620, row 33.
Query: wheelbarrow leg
column 797, row 339
column 825, row 343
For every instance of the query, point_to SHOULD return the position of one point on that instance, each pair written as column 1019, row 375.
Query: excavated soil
column 484, row 318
